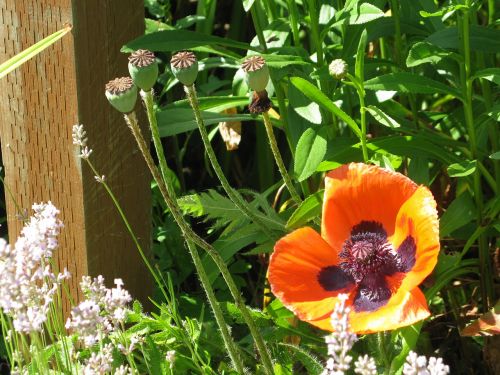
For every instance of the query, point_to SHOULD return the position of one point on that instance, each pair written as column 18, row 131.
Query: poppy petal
column 417, row 219
column 403, row 309
column 294, row 270
column 373, row 293
column 356, row 193
column 333, row 278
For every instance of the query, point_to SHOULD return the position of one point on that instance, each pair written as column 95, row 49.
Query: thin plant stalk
column 232, row 193
column 147, row 97
column 188, row 232
column 487, row 293
column 358, row 85
column 279, row 159
column 128, row 226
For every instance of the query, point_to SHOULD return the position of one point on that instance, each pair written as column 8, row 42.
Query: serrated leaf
column 382, row 117
column 463, row 169
column 409, row 82
column 309, row 209
column 425, row 52
column 212, row 205
column 309, row 153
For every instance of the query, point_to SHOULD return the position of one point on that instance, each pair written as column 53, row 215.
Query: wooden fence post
column 39, row 104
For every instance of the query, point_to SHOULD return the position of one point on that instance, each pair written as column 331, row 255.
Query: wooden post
column 39, row 104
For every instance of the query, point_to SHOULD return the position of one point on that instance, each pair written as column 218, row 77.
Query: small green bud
column 143, row 68
column 338, row 68
column 122, row 94
column 257, row 73
column 185, row 67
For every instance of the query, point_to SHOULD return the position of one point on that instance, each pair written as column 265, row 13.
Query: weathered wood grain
column 40, row 102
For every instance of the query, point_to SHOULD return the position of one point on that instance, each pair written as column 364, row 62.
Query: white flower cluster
column 27, row 283
column 419, row 365
column 340, row 341
column 100, row 362
column 101, row 312
column 80, row 139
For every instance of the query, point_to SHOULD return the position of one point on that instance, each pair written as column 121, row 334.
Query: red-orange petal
column 293, row 273
column 418, row 218
column 359, row 192
column 403, row 309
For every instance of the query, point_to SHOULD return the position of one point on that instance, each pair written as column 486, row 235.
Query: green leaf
column 495, row 155
column 482, row 38
column 460, row 212
column 309, row 153
column 491, row 74
column 212, row 103
column 30, row 52
column 304, row 107
column 364, row 13
column 180, row 120
column 178, row 40
column 309, row 209
column 281, row 61
column 247, row 4
column 410, row 83
column 425, row 52
column 360, row 57
column 462, row 169
column 382, row 117
column 313, row 93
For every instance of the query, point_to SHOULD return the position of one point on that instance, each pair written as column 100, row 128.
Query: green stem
column 232, row 193
column 202, row 274
column 294, row 21
column 279, row 160
column 191, row 236
column 128, row 226
column 397, row 31
column 362, row 111
column 382, row 349
column 258, row 28
column 466, row 83
column 314, row 16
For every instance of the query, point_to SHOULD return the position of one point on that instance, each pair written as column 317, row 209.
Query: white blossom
column 419, row 365
column 100, row 363
column 340, row 341
column 365, row 365
column 27, row 283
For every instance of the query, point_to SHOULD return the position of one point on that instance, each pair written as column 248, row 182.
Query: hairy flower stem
column 191, row 236
column 278, row 158
column 231, row 347
column 232, row 193
column 487, row 292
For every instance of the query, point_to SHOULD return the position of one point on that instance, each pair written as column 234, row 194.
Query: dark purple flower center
column 366, row 259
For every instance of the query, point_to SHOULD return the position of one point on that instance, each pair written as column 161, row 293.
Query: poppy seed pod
column 257, row 73
column 185, row 67
column 143, row 68
column 122, row 94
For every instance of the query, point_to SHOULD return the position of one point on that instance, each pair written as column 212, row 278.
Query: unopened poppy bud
column 143, row 68
column 257, row 73
column 338, row 68
column 185, row 67
column 122, row 94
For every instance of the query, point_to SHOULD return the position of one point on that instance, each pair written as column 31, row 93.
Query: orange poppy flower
column 379, row 240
